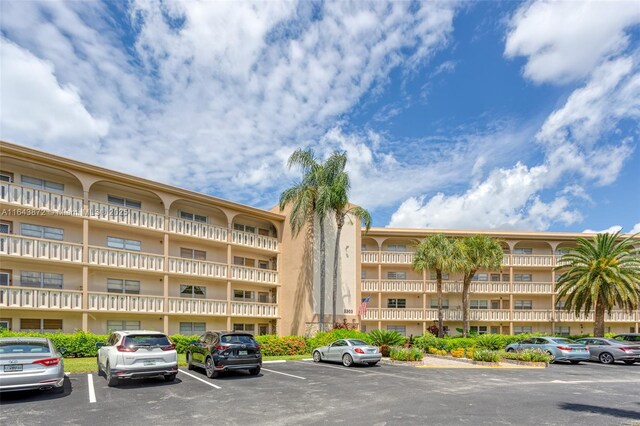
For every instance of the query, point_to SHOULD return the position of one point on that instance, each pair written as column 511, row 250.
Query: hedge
column 273, row 345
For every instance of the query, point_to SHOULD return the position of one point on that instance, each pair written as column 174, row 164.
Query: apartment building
column 86, row 248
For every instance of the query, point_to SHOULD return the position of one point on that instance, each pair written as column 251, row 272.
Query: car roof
column 130, row 332
column 24, row 339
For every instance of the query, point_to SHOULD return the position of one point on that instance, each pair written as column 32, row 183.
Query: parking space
column 305, row 392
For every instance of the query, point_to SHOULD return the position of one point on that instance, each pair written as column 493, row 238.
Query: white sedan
column 349, row 352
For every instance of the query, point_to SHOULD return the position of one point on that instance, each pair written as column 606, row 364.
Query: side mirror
column 99, row 345
column 62, row 350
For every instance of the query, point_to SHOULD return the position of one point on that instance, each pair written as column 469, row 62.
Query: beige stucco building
column 86, row 248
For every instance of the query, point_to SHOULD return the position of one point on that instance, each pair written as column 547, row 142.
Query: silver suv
column 135, row 354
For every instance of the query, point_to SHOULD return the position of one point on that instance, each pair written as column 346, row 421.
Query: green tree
column 438, row 253
column 476, row 252
column 599, row 275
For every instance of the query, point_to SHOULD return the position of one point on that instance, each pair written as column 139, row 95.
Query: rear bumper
column 42, row 381
column 365, row 358
column 126, row 372
column 573, row 356
column 221, row 366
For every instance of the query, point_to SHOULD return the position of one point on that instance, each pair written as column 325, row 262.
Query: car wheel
column 99, row 368
column 574, row 361
column 553, row 357
column 373, row 363
column 170, row 377
column 317, row 357
column 347, row 360
column 210, row 369
column 112, row 381
column 189, row 361
column 606, row 358
column 254, row 371
column 511, row 350
column 629, row 362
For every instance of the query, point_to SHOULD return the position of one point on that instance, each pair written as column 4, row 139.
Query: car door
column 336, row 350
column 525, row 344
column 103, row 352
column 595, row 348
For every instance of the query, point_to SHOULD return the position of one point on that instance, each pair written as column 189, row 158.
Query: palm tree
column 600, row 274
column 437, row 253
column 477, row 252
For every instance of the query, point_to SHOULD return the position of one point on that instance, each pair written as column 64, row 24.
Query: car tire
column 511, row 350
column 254, row 371
column 209, row 368
column 317, row 357
column 347, row 360
column 112, row 381
column 99, row 368
column 373, row 363
column 572, row 361
column 628, row 362
column 170, row 377
column 553, row 357
column 606, row 358
column 189, row 361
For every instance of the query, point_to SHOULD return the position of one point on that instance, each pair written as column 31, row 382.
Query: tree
column 477, row 252
column 599, row 275
column 310, row 201
column 437, row 253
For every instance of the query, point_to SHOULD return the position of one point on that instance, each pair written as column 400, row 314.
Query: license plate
column 13, row 367
column 242, row 353
column 149, row 363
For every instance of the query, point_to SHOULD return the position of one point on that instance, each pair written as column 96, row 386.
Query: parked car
column 137, row 354
column 608, row 351
column 349, row 352
column 560, row 348
column 629, row 337
column 28, row 363
column 219, row 351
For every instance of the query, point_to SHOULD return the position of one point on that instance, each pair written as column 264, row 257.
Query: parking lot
column 302, row 392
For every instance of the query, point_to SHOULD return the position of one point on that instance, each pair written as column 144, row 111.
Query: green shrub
column 528, row 355
column 486, row 355
column 492, row 342
column 323, row 338
column 405, row 354
column 427, row 341
column 182, row 342
column 386, row 337
column 272, row 345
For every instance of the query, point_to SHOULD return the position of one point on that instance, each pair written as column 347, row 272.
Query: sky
column 464, row 115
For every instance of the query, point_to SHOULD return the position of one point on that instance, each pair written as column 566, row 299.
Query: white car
column 135, row 354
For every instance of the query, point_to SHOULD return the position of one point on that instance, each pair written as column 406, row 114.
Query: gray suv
column 218, row 351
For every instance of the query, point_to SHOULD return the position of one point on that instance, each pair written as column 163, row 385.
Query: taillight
column 627, row 349
column 222, row 347
column 48, row 362
column 360, row 351
column 257, row 347
column 564, row 348
column 122, row 348
column 169, row 348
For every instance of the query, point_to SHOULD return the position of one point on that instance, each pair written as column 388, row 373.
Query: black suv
column 218, row 351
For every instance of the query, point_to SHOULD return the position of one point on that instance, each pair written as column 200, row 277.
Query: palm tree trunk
column 440, row 316
column 323, row 265
column 466, row 285
column 598, row 323
column 336, row 255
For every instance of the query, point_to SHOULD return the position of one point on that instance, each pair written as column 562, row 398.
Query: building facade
column 86, row 248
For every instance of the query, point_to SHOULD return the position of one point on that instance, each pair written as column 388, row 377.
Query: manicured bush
column 182, row 342
column 427, row 341
column 492, row 342
column 323, row 338
column 405, row 354
column 79, row 344
column 386, row 337
column 272, row 345
column 528, row 355
column 486, row 355
column 457, row 353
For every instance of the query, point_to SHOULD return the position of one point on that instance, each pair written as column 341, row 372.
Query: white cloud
column 635, row 229
column 610, row 230
column 566, row 40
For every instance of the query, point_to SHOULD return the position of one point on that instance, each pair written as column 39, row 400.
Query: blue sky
column 488, row 115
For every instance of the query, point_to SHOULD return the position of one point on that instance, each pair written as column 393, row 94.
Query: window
column 434, row 303
column 192, row 328
column 247, row 328
column 481, row 277
column 188, row 253
column 523, row 250
column 495, row 330
column 397, row 275
column 444, row 276
column 263, row 329
column 563, row 330
column 263, row 297
column 40, row 279
column 192, row 216
column 522, row 304
column 5, row 227
column 478, row 304
column 263, row 264
column 6, row 176
column 121, row 243
column 505, row 278
column 41, row 231
column 478, row 329
column 363, row 274
column 115, row 285
column 402, row 329
column 124, row 202
column 41, row 184
column 40, row 324
column 5, row 277
column 123, row 325
column 244, row 261
column 520, row 329
column 5, row 325
column 193, row 291
column 495, row 277
column 560, row 304
column 397, row 303
column 243, row 295
column 522, row 278
column 396, row 247
column 562, row 251
column 495, row 304
column 245, row 228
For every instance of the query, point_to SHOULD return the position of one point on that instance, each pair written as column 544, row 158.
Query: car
column 28, row 363
column 608, row 351
column 560, row 348
column 220, row 351
column 628, row 337
column 137, row 354
column 349, row 352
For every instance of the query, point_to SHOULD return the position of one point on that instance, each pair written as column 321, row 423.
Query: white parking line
column 332, row 366
column 202, row 380
column 284, row 374
column 92, row 392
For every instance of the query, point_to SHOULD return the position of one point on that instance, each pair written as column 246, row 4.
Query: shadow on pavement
column 35, row 395
column 610, row 411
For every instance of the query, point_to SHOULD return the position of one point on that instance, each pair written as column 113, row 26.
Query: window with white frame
column 481, row 277
column 192, row 328
column 39, row 231
column 505, row 278
column 523, row 304
column 5, row 325
column 523, row 250
column 124, row 202
column 189, row 253
column 397, row 303
column 41, row 184
column 434, row 303
column 402, row 329
column 391, row 275
column 478, row 329
column 562, row 251
column 478, row 304
column 263, row 297
column 563, row 330
column 495, row 304
column 121, row 325
column 444, row 276
column 193, row 291
column 5, row 227
column 246, row 295
column 40, row 279
column 396, row 247
column 263, row 264
column 521, row 329
column 245, row 228
column 247, row 328
column 41, row 325
column 115, row 285
column 5, row 277
column 244, row 261
column 495, row 277
column 192, row 216
column 124, row 244
column 522, row 278
column 6, row 176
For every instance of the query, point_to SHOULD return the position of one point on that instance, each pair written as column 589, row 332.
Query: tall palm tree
column 600, row 274
column 477, row 252
column 438, row 253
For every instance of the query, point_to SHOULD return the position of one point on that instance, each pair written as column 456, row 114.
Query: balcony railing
column 197, row 229
column 533, row 288
column 125, row 259
column 447, row 287
column 256, row 275
column 37, row 248
column 180, row 305
column 250, row 309
column 133, row 303
column 125, row 215
column 251, row 239
column 369, row 257
column 406, row 258
column 40, row 199
column 529, row 260
column 199, row 268
column 396, row 257
column 40, row 298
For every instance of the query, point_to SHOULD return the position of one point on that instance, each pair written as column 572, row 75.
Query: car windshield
column 628, row 338
column 237, row 338
column 565, row 341
column 356, row 342
column 23, row 347
column 146, row 340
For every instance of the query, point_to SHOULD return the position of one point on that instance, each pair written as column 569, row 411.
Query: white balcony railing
column 447, row 287
column 533, row 288
column 40, row 199
column 256, row 275
column 369, row 257
column 180, row 305
column 112, row 302
column 529, row 260
column 37, row 248
column 197, row 229
column 251, row 239
column 402, row 314
column 40, row 298
column 489, row 287
column 401, row 286
column 125, row 259
column 125, row 215
column 532, row 315
column 396, row 257
column 199, row 268
column 249, row 309
column 369, row 285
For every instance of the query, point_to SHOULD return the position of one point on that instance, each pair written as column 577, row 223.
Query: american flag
column 362, row 309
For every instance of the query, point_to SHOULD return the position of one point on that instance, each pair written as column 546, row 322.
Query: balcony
column 36, row 248
column 32, row 198
column 255, row 275
column 129, row 303
column 396, row 257
column 250, row 239
column 127, row 216
column 179, row 305
column 40, row 298
column 474, row 315
column 406, row 258
column 196, row 229
column 447, row 287
column 113, row 258
column 389, row 314
column 369, row 257
column 250, row 309
column 533, row 260
column 198, row 268
column 533, row 288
